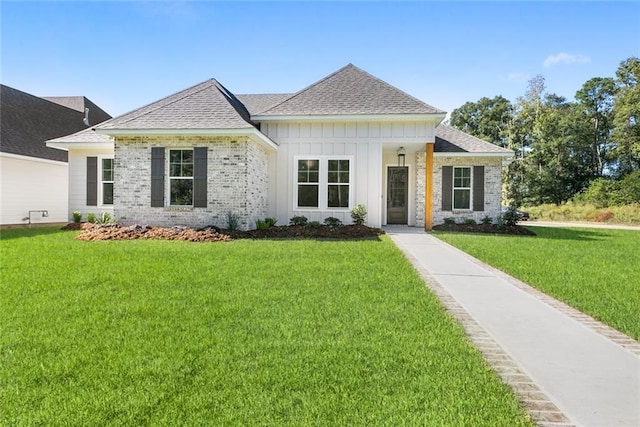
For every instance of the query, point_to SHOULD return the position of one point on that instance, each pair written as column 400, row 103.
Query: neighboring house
column 34, row 177
column 350, row 138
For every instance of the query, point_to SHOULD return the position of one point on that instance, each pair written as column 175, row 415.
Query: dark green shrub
column 487, row 220
column 270, row 221
column 469, row 221
column 262, row 224
column 450, row 220
column 232, row 221
column 314, row 224
column 298, row 220
column 332, row 221
column 510, row 217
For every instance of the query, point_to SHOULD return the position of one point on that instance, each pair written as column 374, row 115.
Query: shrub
column 332, row 221
column 91, row 218
column 77, row 216
column 604, row 216
column 270, row 221
column 104, row 218
column 469, row 221
column 262, row 224
column 630, row 188
column 359, row 214
column 450, row 220
column 510, row 217
column 298, row 220
column 487, row 220
column 314, row 224
column 232, row 221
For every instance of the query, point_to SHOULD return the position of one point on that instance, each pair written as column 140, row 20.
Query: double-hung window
column 461, row 188
column 106, row 180
column 323, row 182
column 181, row 177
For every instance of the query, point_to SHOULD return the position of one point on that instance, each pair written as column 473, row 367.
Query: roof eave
column 61, row 145
column 473, row 154
column 435, row 117
column 251, row 132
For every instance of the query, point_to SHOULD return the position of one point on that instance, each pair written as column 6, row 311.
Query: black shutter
column 157, row 177
column 478, row 188
column 200, row 177
column 447, row 188
column 92, row 181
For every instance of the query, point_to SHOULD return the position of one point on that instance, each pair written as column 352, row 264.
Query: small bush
column 487, row 220
column 469, row 221
column 104, row 218
column 91, row 218
column 233, row 221
column 450, row 220
column 298, row 220
column 262, row 224
column 510, row 217
column 77, row 216
column 359, row 214
column 270, row 221
column 332, row 221
column 314, row 224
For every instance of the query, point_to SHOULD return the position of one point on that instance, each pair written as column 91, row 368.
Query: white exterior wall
column 29, row 183
column 78, row 182
column 371, row 144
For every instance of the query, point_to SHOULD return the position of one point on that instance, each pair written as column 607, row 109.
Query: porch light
column 401, row 156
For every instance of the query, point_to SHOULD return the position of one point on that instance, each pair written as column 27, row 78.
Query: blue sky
column 123, row 55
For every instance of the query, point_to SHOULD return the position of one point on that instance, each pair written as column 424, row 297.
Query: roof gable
column 207, row 105
column 452, row 140
column 350, row 91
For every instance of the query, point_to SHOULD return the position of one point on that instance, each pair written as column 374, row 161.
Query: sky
column 125, row 54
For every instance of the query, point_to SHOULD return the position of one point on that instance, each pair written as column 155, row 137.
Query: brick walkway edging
column 535, row 401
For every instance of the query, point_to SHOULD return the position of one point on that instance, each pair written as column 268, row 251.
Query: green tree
column 626, row 109
column 487, row 119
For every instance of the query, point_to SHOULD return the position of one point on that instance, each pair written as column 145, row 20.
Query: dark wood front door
column 397, row 194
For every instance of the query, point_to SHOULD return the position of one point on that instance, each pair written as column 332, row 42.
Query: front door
column 397, row 194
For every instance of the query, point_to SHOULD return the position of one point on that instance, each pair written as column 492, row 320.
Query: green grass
column 244, row 333
column 596, row 271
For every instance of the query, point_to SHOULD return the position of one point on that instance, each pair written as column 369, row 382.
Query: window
column 462, row 188
column 181, row 177
column 323, row 182
column 308, row 183
column 106, row 181
column 338, row 184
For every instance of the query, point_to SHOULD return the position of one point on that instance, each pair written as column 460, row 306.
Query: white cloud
column 566, row 58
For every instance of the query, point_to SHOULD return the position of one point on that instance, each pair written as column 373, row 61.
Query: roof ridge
column 160, row 104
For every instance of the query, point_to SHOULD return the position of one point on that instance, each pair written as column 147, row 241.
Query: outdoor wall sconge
column 401, row 156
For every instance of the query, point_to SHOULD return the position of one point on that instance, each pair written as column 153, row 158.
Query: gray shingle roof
column 28, row 121
column 452, row 140
column 79, row 103
column 350, row 91
column 86, row 135
column 258, row 102
column 207, row 105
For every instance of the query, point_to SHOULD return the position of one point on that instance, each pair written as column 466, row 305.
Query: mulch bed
column 485, row 228
column 93, row 232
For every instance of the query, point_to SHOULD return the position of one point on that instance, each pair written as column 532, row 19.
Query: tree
column 596, row 98
column 626, row 109
column 487, row 119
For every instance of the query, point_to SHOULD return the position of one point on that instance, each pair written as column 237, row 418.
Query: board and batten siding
column 29, row 183
column 78, row 182
column 364, row 142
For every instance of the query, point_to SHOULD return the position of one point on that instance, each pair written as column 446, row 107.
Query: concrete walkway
column 567, row 368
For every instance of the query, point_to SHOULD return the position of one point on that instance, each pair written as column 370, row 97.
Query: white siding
column 78, row 182
column 27, row 183
column 372, row 146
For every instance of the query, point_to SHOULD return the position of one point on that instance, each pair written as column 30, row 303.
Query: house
column 197, row 155
column 34, row 177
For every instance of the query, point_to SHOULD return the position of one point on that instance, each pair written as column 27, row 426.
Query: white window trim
column 101, row 182
column 454, row 188
column 167, row 174
column 323, row 182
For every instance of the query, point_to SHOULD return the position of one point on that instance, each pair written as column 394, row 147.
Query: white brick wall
column 236, row 182
column 492, row 187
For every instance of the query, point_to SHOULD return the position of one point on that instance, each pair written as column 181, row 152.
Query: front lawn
column 596, row 271
column 242, row 333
